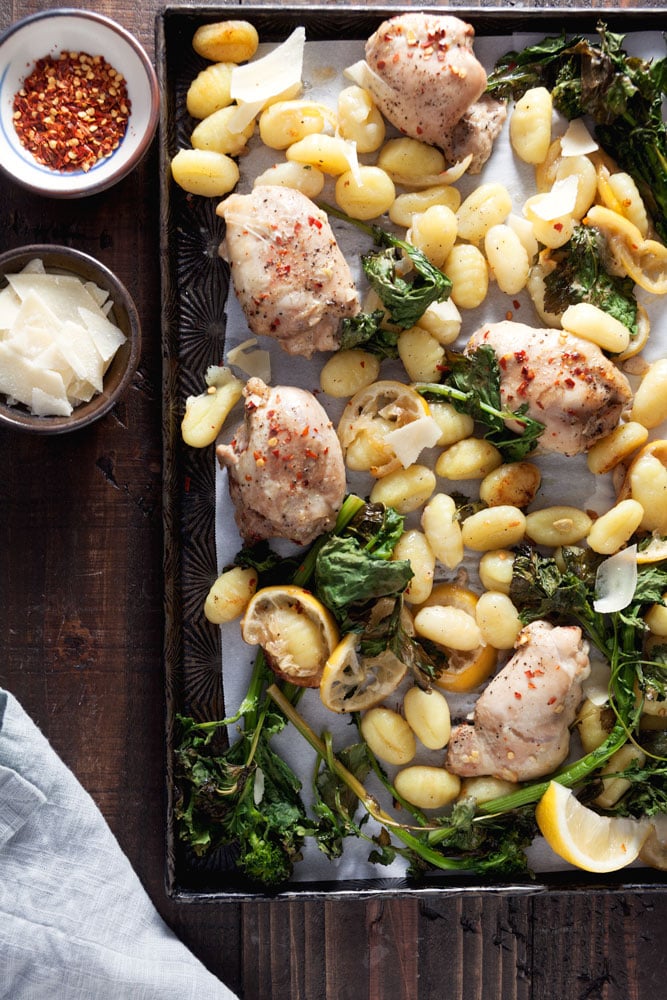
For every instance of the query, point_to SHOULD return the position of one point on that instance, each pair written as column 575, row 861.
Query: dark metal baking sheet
column 194, row 290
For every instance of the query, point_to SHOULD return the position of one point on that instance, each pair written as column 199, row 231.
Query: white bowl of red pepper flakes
column 79, row 103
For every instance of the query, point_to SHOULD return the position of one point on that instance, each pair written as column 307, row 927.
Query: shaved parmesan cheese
column 577, row 140
column 615, row 581
column 260, row 80
column 58, row 340
column 44, row 405
column 409, row 441
column 557, row 202
column 361, row 74
column 596, row 686
column 19, row 376
column 253, row 363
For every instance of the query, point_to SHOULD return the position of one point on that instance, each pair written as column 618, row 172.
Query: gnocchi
column 411, row 203
column 408, row 159
column 413, row 546
column 346, row 372
column 230, row 594
column 422, row 355
column 472, row 458
column 214, row 132
column 364, row 193
column 530, row 125
column 405, row 489
column 359, row 120
column 204, row 172
column 300, row 176
column 427, row 714
column 487, row 206
column 226, row 41
column 442, row 529
column 467, row 270
column 286, row 122
column 434, row 231
column 427, row 787
column 210, row 90
column 388, row 735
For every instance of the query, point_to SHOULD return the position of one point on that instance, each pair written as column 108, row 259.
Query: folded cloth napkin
column 75, row 921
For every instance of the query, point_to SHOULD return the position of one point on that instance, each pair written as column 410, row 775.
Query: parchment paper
column 323, row 79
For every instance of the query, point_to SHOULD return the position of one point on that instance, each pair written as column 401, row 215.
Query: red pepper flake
column 312, row 221
column 304, row 432
column 516, row 303
column 558, row 226
column 551, row 700
column 311, row 454
column 518, row 695
column 569, row 382
column 71, row 111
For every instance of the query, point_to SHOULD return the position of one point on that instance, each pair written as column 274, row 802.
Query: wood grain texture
column 81, row 620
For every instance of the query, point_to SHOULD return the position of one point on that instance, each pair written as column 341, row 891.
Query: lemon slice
column 646, row 264
column 295, row 630
column 371, row 414
column 584, row 838
column 465, row 670
column 352, row 683
column 655, row 551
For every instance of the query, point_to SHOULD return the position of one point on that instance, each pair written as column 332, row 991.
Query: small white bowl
column 64, row 30
column 119, row 374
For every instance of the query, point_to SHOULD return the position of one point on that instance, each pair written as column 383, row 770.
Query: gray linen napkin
column 75, row 921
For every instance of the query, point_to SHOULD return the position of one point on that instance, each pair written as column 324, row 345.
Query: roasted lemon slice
column 295, row 630
column 584, row 838
column 352, row 682
column 465, row 670
column 369, row 416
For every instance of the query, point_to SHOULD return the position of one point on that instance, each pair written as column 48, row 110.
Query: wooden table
column 81, row 621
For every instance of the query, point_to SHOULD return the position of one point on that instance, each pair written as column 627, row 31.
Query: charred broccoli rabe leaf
column 580, row 276
column 622, row 94
column 405, row 300
column 471, row 383
column 244, row 795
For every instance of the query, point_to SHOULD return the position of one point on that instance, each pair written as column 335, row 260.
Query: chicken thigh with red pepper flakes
column 427, row 81
column 567, row 383
column 289, row 274
column 286, row 470
column 522, row 719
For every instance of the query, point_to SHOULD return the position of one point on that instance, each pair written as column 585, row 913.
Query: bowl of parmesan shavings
column 79, row 103
column 70, row 339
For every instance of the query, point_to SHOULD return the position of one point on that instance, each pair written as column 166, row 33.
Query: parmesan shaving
column 259, row 81
column 58, row 340
column 577, row 140
column 254, row 363
column 559, row 201
column 615, row 581
column 409, row 441
column 596, row 686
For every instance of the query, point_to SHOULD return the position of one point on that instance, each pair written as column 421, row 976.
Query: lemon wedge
column 584, row 838
column 295, row 630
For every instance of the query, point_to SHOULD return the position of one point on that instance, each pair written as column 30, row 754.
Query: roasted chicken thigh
column 289, row 274
column 522, row 718
column 565, row 382
column 426, row 80
column 285, row 465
